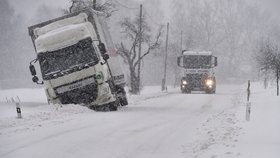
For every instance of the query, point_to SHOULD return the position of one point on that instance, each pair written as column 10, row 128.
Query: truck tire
column 113, row 106
column 186, row 91
column 210, row 91
column 123, row 101
column 121, row 93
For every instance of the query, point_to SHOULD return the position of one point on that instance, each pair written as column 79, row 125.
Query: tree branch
column 123, row 53
column 155, row 45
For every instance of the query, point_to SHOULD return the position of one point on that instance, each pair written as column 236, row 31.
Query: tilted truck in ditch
column 78, row 61
column 197, row 71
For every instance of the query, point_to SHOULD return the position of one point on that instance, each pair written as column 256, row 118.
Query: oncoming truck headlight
column 184, row 82
column 209, row 82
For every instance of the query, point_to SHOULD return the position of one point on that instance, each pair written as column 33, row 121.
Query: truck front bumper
column 192, row 87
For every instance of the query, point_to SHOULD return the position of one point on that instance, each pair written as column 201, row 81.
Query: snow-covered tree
column 129, row 51
column 107, row 7
column 229, row 28
column 268, row 60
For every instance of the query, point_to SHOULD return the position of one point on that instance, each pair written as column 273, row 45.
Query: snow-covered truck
column 78, row 61
column 197, row 71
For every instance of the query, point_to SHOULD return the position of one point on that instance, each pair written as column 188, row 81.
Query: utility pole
column 140, row 49
column 277, row 79
column 181, row 46
column 165, row 60
column 180, row 51
column 94, row 4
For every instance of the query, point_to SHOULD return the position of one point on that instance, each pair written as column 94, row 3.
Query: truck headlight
column 209, row 82
column 184, row 82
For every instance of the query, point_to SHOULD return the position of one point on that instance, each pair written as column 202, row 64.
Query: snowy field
column 154, row 124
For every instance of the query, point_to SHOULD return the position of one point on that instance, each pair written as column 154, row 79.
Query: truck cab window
column 197, row 62
column 68, row 59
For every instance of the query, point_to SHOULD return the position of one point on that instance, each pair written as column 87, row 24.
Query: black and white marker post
column 18, row 110
column 248, row 106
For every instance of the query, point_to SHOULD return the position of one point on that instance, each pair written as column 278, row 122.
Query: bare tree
column 268, row 59
column 129, row 50
column 108, row 7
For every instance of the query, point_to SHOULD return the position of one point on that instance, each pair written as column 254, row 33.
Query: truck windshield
column 68, row 60
column 197, row 61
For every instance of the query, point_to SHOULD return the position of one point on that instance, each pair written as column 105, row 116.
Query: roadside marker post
column 248, row 106
column 248, row 111
column 248, row 91
column 18, row 110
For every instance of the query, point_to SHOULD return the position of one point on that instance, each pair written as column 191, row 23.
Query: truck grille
column 83, row 91
column 84, row 95
column 195, row 80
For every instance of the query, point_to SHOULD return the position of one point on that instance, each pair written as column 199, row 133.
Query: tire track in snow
column 36, row 142
column 152, row 125
column 218, row 131
column 172, row 129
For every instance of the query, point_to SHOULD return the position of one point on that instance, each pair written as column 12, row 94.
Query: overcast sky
column 28, row 7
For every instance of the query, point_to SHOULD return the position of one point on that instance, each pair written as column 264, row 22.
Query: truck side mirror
column 106, row 57
column 102, row 48
column 32, row 70
column 216, row 61
column 35, row 79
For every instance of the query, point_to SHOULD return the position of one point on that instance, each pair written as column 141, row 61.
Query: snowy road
column 163, row 125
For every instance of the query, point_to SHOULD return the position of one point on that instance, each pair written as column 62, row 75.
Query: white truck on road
column 198, row 71
column 78, row 61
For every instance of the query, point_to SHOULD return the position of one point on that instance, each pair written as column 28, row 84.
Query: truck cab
column 78, row 61
column 197, row 71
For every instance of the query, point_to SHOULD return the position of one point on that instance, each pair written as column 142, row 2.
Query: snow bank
column 154, row 124
column 25, row 95
column 261, row 136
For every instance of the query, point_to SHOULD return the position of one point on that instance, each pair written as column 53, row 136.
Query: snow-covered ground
column 155, row 124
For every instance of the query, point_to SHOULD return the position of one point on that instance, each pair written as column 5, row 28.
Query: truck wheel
column 109, row 107
column 113, row 106
column 124, row 101
column 210, row 91
column 122, row 96
column 105, row 108
column 186, row 91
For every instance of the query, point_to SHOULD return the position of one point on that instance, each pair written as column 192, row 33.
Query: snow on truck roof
column 94, row 24
column 197, row 53
column 83, row 13
column 80, row 18
column 61, row 38
column 55, row 35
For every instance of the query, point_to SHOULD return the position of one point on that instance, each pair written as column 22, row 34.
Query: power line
column 124, row 6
